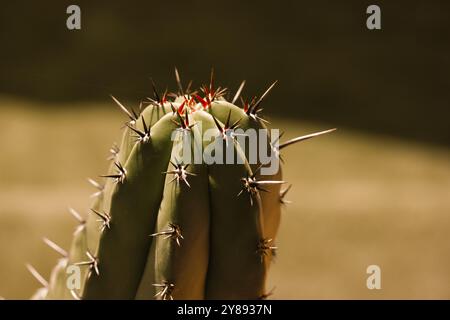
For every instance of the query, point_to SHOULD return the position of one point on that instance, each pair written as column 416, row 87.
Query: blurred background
column 374, row 192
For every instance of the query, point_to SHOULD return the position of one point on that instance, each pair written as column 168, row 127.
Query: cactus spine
column 160, row 228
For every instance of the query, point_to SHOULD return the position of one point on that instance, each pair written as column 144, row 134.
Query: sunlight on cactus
column 162, row 228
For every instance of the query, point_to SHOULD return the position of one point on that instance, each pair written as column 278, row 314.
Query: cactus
column 163, row 228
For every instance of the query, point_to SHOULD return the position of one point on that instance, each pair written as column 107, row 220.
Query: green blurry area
column 358, row 199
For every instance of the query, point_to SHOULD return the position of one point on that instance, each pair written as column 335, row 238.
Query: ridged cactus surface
column 166, row 228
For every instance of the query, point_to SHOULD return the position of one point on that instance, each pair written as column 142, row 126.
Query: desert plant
column 168, row 228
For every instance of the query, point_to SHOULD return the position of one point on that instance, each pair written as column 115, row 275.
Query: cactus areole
column 188, row 210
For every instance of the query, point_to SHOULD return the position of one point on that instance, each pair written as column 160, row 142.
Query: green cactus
column 162, row 228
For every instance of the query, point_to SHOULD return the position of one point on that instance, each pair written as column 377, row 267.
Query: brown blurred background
column 375, row 192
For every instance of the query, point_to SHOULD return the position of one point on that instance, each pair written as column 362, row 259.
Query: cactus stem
column 92, row 263
column 238, row 92
column 283, row 195
column 55, row 247
column 132, row 115
column 306, row 137
column 179, row 230
column 37, row 275
column 96, row 185
column 180, row 173
column 165, row 291
column 75, row 295
column 114, row 151
column 173, row 232
column 264, row 247
column 120, row 176
column 105, row 219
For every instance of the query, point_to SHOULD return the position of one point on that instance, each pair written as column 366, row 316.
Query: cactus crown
column 163, row 227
